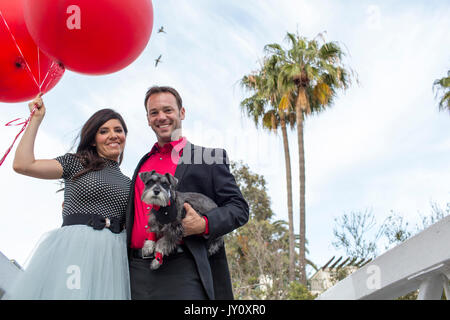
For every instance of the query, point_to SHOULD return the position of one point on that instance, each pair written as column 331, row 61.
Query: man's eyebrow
column 163, row 107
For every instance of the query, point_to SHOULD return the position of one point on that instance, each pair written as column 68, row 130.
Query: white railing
column 421, row 262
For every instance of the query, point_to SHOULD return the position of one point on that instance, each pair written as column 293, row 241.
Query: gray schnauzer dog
column 165, row 219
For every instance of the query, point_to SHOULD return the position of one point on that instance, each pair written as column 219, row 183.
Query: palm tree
column 313, row 72
column 443, row 84
column 270, row 106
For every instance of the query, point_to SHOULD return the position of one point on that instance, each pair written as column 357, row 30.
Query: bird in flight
column 158, row 60
column 161, row 30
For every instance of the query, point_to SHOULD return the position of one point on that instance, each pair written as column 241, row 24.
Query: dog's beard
column 162, row 199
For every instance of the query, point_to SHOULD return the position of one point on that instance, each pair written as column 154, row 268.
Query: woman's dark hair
column 86, row 152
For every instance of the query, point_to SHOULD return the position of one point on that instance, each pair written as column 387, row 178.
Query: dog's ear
column 172, row 180
column 145, row 176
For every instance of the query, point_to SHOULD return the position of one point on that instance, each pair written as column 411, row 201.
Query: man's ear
column 173, row 181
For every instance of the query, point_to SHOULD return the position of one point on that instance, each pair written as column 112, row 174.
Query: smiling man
column 164, row 115
column 188, row 273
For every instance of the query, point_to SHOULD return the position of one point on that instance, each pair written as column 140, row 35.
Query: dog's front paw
column 148, row 248
column 155, row 264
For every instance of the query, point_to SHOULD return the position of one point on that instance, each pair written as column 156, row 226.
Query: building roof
column 325, row 277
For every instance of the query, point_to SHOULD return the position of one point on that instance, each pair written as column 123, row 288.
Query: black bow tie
column 98, row 223
column 165, row 215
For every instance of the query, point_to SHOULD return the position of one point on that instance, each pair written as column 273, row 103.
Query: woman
column 86, row 258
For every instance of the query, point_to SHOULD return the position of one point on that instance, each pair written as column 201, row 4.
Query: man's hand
column 193, row 223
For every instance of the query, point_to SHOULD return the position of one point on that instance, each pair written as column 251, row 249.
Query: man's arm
column 232, row 211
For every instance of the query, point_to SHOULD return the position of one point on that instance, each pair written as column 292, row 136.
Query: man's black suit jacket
column 206, row 171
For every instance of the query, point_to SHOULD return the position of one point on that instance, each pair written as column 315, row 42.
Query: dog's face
column 158, row 188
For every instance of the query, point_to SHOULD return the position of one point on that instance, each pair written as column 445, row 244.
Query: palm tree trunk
column 287, row 160
column 300, row 107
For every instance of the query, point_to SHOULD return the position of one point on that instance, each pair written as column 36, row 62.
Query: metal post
column 431, row 287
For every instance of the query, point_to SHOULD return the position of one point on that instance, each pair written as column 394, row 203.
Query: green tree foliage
column 258, row 252
column 270, row 106
column 298, row 291
column 443, row 86
column 254, row 190
column 312, row 71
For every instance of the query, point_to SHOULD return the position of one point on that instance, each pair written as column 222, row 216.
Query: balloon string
column 45, row 78
column 25, row 123
column 39, row 67
column 20, row 51
column 46, row 75
column 39, row 85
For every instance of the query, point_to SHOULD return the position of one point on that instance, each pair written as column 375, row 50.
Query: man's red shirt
column 163, row 160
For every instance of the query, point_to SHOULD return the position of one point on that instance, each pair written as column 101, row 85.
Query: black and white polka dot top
column 103, row 192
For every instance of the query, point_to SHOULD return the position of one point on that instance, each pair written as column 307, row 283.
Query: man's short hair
column 158, row 89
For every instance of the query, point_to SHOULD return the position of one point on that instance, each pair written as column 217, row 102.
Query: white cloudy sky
column 383, row 145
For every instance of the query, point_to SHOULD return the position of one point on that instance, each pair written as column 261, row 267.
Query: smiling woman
column 102, row 137
column 95, row 199
column 110, row 140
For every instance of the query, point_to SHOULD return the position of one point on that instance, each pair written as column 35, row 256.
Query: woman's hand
column 24, row 161
column 40, row 111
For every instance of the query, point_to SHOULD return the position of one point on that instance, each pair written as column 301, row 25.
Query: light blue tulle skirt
column 75, row 262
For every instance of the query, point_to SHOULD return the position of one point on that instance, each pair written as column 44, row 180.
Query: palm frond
column 443, row 85
column 270, row 120
column 331, row 52
column 275, row 49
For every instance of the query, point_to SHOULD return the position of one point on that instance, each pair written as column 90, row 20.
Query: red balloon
column 91, row 36
column 24, row 69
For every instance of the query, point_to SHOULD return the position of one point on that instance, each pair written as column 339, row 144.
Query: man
column 188, row 273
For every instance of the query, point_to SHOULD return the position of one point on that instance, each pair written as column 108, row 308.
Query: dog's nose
column 156, row 192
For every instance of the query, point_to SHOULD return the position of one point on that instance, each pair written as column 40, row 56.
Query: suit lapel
column 184, row 162
column 130, row 207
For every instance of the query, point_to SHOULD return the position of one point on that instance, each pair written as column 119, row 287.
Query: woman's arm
column 24, row 161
